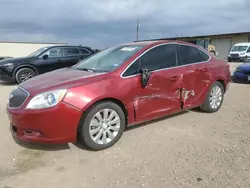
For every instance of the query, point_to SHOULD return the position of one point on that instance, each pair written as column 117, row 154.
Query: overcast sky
column 103, row 23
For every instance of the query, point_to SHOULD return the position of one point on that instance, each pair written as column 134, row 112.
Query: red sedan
column 121, row 86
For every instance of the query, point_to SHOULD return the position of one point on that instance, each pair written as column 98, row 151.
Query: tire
column 24, row 74
column 84, row 134
column 207, row 106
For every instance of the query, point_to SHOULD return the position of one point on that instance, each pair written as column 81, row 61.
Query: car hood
column 60, row 79
column 12, row 60
column 245, row 66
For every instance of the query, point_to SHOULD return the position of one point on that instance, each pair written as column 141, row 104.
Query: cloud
column 104, row 23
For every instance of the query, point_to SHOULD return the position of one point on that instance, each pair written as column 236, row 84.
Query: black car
column 41, row 61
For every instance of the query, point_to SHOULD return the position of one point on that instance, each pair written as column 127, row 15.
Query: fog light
column 32, row 133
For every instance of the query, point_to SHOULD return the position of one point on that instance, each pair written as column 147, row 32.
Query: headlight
column 6, row 65
column 238, row 70
column 46, row 100
column 243, row 53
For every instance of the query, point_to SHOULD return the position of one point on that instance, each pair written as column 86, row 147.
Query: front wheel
column 24, row 74
column 102, row 126
column 214, row 98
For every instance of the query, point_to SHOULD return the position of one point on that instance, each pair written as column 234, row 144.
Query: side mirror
column 45, row 57
column 145, row 75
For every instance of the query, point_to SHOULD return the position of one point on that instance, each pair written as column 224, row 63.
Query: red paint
column 161, row 97
column 54, row 125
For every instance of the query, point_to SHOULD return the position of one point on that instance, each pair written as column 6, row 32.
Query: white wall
column 21, row 49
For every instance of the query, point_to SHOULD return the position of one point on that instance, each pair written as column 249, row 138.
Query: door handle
column 174, row 78
column 203, row 70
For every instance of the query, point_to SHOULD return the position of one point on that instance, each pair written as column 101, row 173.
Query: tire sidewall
column 84, row 135
column 18, row 73
column 207, row 103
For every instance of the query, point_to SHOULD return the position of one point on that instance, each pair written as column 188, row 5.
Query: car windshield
column 37, row 52
column 239, row 48
column 108, row 59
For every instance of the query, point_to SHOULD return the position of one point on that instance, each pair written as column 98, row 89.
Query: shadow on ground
column 42, row 147
column 156, row 120
column 7, row 83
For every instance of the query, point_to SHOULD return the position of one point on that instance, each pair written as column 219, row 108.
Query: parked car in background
column 121, row 86
column 41, row 61
column 242, row 73
column 239, row 52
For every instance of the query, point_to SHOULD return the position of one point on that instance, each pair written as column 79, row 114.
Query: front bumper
column 4, row 76
column 241, row 77
column 57, row 125
column 230, row 58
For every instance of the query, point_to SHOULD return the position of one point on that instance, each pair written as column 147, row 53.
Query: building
column 20, row 49
column 222, row 42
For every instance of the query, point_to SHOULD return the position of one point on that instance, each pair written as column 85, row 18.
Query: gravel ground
column 191, row 149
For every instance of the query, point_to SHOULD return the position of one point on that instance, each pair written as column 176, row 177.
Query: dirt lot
column 191, row 149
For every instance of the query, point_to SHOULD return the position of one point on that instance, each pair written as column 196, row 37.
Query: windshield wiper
column 87, row 69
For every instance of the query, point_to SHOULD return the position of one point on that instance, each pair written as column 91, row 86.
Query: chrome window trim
column 124, row 77
column 14, row 108
column 84, row 49
column 41, row 56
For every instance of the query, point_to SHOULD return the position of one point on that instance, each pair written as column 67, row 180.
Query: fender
column 88, row 99
column 25, row 65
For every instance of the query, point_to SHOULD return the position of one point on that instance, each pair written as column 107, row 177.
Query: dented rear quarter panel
column 220, row 71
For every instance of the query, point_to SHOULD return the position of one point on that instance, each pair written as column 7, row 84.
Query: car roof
column 71, row 46
column 243, row 44
column 157, row 42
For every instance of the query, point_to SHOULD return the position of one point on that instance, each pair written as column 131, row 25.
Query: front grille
column 17, row 98
column 247, row 72
column 235, row 55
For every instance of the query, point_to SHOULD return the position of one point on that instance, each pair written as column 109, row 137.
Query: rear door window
column 203, row 56
column 189, row 55
column 71, row 51
column 84, row 51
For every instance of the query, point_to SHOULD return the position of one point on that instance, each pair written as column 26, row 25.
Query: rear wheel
column 214, row 98
column 102, row 126
column 24, row 74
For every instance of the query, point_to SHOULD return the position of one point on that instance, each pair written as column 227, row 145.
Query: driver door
column 161, row 96
column 53, row 62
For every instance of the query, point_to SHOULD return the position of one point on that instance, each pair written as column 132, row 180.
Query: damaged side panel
column 161, row 97
column 184, row 96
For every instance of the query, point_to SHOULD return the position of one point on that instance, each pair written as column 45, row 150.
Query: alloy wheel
column 216, row 97
column 104, row 126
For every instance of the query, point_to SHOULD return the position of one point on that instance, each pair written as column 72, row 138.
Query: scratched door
column 196, row 78
column 162, row 94
column 161, row 97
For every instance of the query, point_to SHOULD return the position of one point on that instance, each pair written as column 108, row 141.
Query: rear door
column 161, row 96
column 196, row 77
column 71, row 55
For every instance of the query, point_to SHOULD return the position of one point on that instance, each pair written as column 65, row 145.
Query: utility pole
column 137, row 29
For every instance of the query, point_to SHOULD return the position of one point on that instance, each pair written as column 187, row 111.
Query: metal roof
column 200, row 36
